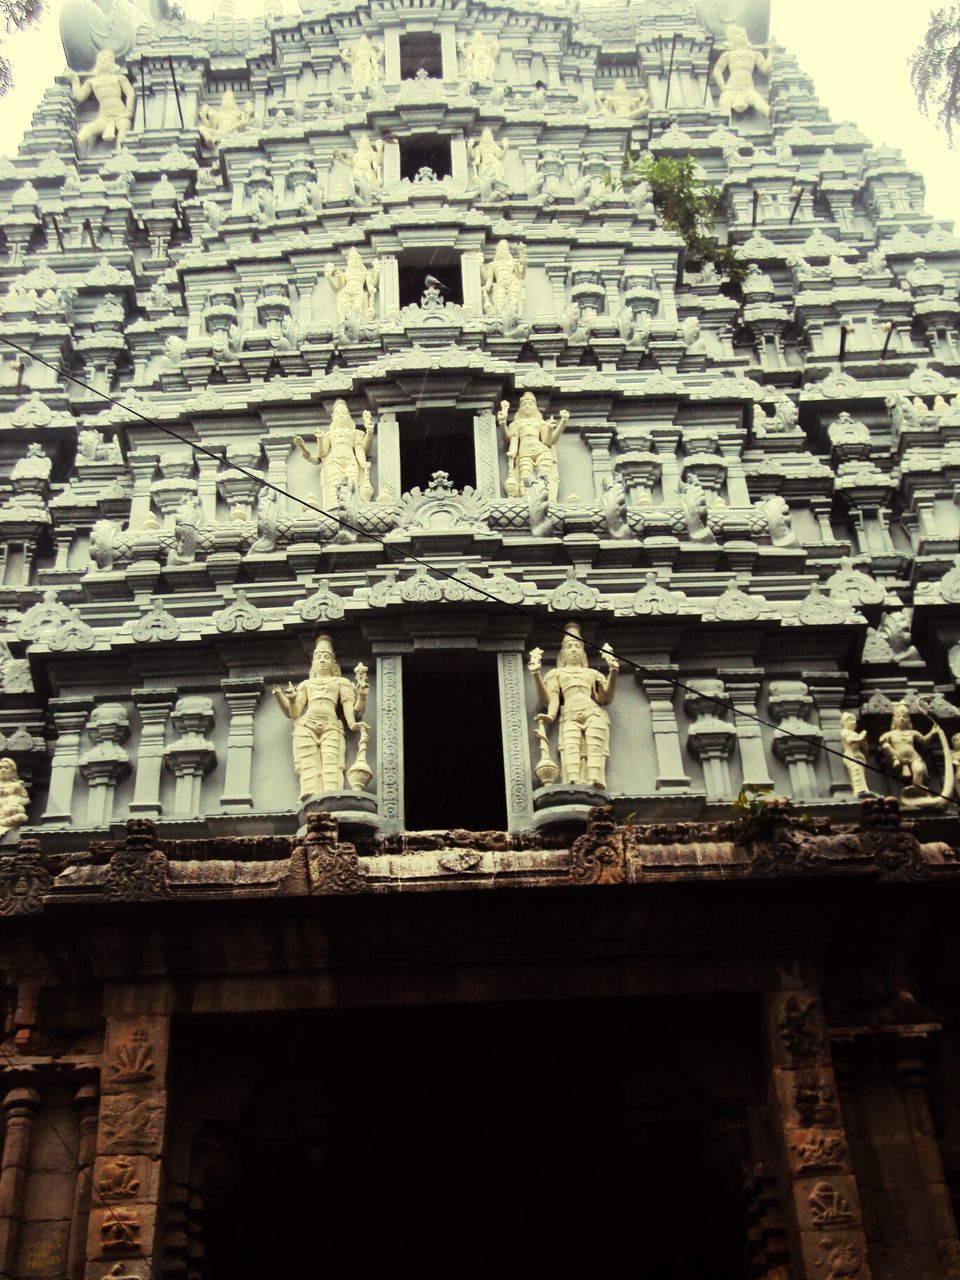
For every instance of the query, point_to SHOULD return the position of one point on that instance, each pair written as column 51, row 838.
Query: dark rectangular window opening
column 420, row 51
column 446, row 783
column 422, row 269
column 437, row 440
column 425, row 151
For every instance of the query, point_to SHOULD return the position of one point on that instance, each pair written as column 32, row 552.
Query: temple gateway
column 479, row 730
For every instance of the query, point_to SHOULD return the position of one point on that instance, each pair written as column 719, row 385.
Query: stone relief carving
column 114, row 96
column 503, row 281
column 355, row 286
column 853, row 740
column 480, row 58
column 118, row 1180
column 219, row 122
column 486, row 156
column 740, row 61
column 577, row 696
column 342, row 455
column 314, row 706
column 24, row 879
column 133, row 1060
column 366, row 167
column 13, row 797
column 890, row 641
column 364, row 63
column 901, row 748
column 531, row 446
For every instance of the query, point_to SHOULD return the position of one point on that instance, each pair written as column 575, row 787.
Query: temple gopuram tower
column 478, row 713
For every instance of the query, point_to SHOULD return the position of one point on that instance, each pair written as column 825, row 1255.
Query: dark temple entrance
column 462, row 1141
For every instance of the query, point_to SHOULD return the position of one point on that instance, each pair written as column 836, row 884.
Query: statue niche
column 531, row 446
column 319, row 707
column 342, row 455
column 575, row 695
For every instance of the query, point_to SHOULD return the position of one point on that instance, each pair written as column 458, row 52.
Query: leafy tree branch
column 935, row 69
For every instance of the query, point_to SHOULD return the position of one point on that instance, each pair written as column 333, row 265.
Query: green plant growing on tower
column 685, row 205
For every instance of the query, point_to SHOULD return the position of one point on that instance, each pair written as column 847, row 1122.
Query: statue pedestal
column 565, row 803
column 356, row 812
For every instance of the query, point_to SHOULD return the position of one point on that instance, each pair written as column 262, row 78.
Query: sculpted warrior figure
column 314, row 706
column 578, row 694
column 115, row 98
column 901, row 748
column 355, row 286
column 342, row 455
column 13, row 797
column 217, row 122
column 740, row 60
column 854, row 743
column 480, row 57
column 621, row 102
column 503, row 280
column 365, row 165
column 364, row 63
column 487, row 157
column 531, row 446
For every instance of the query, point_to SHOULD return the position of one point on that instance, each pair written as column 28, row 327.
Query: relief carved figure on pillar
column 531, row 446
column 503, row 278
column 13, row 797
column 576, row 694
column 342, row 455
column 366, row 166
column 740, row 60
column 115, row 98
column 486, row 156
column 355, row 286
column 217, row 122
column 901, row 748
column 364, row 63
column 319, row 741
column 480, row 57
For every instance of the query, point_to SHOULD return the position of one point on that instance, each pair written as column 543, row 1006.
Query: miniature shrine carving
column 342, row 455
column 319, row 706
column 740, row 60
column 531, row 446
column 576, row 696
column 115, row 98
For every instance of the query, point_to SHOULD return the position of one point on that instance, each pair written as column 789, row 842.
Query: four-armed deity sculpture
column 115, row 98
column 355, row 286
column 217, row 122
column 342, row 455
column 319, row 707
column 740, row 60
column 621, row 102
column 364, row 63
column 531, row 446
column 578, row 695
column 503, row 281
column 480, row 58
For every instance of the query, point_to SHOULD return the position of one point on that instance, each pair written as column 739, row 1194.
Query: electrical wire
column 477, row 589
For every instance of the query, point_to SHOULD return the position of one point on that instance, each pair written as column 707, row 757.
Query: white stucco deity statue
column 854, row 744
column 901, row 747
column 355, row 286
column 503, row 280
column 740, row 60
column 366, row 166
column 115, row 98
column 480, row 58
column 486, row 155
column 531, row 446
column 576, row 695
column 13, row 797
column 319, row 707
column 342, row 455
column 364, row 63
column 217, row 122
column 621, row 102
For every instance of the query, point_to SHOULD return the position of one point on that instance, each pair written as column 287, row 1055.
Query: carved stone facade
column 346, row 397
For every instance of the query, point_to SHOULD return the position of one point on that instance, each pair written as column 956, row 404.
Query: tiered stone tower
column 348, row 401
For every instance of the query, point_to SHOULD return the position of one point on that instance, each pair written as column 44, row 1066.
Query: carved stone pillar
column 459, row 166
column 143, row 469
column 389, row 287
column 599, row 440
column 278, row 451
column 191, row 757
column 242, row 697
column 390, row 741
column 796, row 742
column 388, row 455
column 106, row 763
column 472, row 285
column 711, row 738
column 486, row 445
column 910, row 1074
column 738, row 494
column 448, row 51
column 154, row 705
column 665, row 443
column 69, row 717
column 516, row 741
column 20, row 1106
column 125, row 1222
column 87, row 1103
column 820, row 1193
column 666, row 734
column 207, row 485
column 743, row 689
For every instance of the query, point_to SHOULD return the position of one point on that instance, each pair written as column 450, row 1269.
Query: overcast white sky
column 855, row 50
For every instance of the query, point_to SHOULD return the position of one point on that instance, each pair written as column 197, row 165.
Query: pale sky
column 856, row 51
